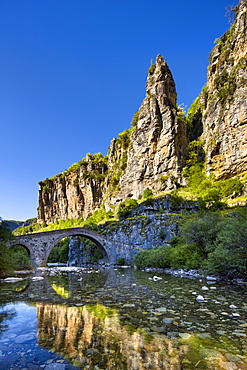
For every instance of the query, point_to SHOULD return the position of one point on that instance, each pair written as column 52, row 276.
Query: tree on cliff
column 5, row 236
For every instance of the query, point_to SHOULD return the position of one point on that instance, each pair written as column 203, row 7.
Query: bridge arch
column 24, row 245
column 76, row 232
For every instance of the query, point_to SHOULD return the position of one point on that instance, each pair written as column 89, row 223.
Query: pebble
column 156, row 278
column 12, row 279
column 168, row 320
column 211, row 278
column 234, row 314
column 200, row 298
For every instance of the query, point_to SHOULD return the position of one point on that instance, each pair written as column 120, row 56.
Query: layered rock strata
column 75, row 194
column 150, row 154
column 222, row 107
column 156, row 153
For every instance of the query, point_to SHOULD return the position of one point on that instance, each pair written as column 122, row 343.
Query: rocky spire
column 157, row 146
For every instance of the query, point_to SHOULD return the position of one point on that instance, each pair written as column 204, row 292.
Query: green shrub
column 176, row 200
column 157, row 257
column 60, row 252
column 201, row 229
column 225, row 85
column 125, row 207
column 121, row 261
column 92, row 250
column 186, row 256
column 151, row 69
column 147, row 193
column 5, row 236
column 19, row 258
column 135, row 119
column 162, row 233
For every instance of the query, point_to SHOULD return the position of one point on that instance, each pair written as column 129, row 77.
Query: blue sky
column 73, row 73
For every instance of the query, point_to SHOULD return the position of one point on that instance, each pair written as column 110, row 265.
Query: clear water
column 121, row 319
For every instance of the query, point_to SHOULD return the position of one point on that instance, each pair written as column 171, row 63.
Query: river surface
column 119, row 319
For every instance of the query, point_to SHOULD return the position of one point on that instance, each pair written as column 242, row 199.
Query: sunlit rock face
column 157, row 147
column 153, row 156
column 75, row 194
column 92, row 335
column 224, row 102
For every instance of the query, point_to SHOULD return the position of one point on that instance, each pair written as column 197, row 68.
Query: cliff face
column 157, row 145
column 152, row 153
column 75, row 194
column 222, row 106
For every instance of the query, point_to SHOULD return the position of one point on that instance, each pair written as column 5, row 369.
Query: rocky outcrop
column 75, row 193
column 222, row 105
column 157, row 147
column 150, row 154
column 151, row 224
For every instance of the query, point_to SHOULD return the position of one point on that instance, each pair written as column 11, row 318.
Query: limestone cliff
column 220, row 119
column 157, row 147
column 150, row 154
column 75, row 193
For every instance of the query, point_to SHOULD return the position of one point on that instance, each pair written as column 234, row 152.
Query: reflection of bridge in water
column 79, row 286
column 39, row 245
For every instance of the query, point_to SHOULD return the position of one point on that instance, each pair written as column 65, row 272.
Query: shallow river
column 121, row 319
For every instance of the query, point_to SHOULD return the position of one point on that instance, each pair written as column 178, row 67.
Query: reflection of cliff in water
column 93, row 335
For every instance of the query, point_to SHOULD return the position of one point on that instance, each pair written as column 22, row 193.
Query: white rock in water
column 12, row 279
column 37, row 278
column 200, row 298
column 212, row 278
column 234, row 314
column 156, row 278
column 232, row 306
column 204, row 288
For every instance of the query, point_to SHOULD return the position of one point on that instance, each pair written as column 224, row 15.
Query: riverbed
column 119, row 319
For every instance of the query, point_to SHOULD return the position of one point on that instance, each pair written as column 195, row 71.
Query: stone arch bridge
column 39, row 245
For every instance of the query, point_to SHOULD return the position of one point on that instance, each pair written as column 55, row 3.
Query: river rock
column 200, row 298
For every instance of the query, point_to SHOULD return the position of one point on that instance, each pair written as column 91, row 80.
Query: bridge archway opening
column 20, row 256
column 78, row 250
